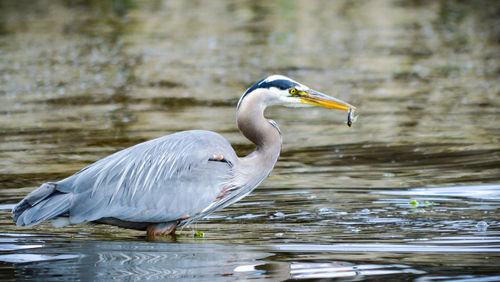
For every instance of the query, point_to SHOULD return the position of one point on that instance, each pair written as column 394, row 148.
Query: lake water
column 410, row 192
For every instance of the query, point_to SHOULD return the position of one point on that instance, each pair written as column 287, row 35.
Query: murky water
column 412, row 191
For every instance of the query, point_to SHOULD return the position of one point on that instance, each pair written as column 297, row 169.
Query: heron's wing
column 156, row 181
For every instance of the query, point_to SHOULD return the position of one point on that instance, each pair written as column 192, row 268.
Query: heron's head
column 281, row 90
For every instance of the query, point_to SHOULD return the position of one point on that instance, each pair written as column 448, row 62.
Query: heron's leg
column 156, row 231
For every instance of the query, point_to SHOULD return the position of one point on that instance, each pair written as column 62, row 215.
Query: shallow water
column 411, row 191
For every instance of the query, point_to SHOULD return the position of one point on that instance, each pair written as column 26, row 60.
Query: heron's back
column 156, row 181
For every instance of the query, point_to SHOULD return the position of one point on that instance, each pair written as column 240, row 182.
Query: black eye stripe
column 281, row 84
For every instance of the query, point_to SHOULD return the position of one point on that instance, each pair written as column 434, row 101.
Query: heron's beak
column 315, row 98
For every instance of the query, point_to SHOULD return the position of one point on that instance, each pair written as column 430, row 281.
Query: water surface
column 411, row 191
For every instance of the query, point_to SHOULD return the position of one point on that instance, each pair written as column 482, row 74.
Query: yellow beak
column 315, row 98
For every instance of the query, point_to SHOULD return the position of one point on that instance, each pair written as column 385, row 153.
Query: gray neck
column 263, row 133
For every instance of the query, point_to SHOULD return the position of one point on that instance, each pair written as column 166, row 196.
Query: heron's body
column 169, row 181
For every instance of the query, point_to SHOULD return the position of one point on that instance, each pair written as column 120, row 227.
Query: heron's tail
column 42, row 204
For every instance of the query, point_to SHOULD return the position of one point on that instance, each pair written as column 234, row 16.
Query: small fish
column 350, row 117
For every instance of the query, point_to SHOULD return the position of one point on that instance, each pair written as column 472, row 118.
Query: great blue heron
column 176, row 179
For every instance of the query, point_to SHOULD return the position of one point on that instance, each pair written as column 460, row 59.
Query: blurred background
column 80, row 80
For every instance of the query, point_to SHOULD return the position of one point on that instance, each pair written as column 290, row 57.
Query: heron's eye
column 293, row 91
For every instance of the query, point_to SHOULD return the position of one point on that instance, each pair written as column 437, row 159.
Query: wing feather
column 156, row 181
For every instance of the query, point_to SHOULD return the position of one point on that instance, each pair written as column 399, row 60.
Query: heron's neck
column 261, row 132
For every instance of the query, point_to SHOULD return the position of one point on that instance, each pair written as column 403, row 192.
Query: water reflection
column 82, row 79
column 137, row 261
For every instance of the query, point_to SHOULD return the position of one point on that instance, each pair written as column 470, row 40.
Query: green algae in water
column 421, row 204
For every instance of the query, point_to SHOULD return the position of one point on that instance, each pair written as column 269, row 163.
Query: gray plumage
column 142, row 183
column 172, row 180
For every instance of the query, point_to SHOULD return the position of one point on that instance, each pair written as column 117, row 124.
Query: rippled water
column 411, row 191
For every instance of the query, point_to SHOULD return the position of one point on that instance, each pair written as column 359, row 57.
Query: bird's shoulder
column 167, row 156
column 193, row 145
column 196, row 145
